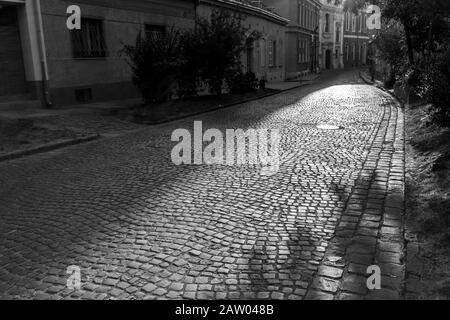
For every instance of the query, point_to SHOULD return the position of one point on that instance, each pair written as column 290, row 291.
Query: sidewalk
column 28, row 111
column 27, row 130
column 291, row 84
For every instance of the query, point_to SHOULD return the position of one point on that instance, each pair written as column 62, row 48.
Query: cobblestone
column 140, row 227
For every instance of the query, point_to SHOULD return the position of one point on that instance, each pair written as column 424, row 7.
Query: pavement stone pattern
column 140, row 227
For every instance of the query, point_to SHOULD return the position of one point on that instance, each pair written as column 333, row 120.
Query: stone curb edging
column 414, row 266
column 48, row 147
column 369, row 82
column 70, row 142
column 231, row 104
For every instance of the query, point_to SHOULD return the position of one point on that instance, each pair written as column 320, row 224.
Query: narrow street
column 141, row 227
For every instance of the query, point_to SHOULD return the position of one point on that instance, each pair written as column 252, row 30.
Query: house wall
column 48, row 56
column 110, row 77
column 356, row 40
column 270, row 28
column 12, row 71
column 301, row 33
column 328, row 39
column 27, row 49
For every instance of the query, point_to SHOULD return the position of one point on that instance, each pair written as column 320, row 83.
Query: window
column 89, row 42
column 347, row 21
column 360, row 23
column 310, row 20
column 303, row 51
column 353, row 23
column 314, row 18
column 272, row 49
column 338, row 33
column 83, row 95
column 300, row 50
column 305, row 45
column 154, row 30
column 327, row 22
column 249, row 59
column 304, row 16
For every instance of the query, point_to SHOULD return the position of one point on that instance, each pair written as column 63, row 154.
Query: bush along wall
column 179, row 61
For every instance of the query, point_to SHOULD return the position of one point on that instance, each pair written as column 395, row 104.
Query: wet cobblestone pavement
column 140, row 227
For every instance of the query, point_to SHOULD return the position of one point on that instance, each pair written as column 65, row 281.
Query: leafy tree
column 423, row 21
column 190, row 67
column 436, row 83
column 390, row 45
column 155, row 60
column 222, row 40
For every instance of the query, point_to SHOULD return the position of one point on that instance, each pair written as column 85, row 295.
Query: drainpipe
column 196, row 4
column 42, row 54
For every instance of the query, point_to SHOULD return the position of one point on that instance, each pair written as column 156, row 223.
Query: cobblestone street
column 141, row 227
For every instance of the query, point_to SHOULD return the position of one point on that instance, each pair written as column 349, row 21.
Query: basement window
column 154, row 30
column 83, row 95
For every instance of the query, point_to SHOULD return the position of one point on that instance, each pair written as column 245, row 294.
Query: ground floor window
column 303, row 50
column 89, row 42
column 272, row 49
column 154, row 30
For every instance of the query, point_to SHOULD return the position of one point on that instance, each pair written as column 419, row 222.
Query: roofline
column 247, row 8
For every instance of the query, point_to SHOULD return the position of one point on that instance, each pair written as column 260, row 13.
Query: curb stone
column 48, row 147
column 413, row 262
column 374, row 83
column 231, row 104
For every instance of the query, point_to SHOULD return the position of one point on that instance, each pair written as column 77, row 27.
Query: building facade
column 265, row 56
column 63, row 67
column 356, row 38
column 40, row 58
column 331, row 33
column 302, row 41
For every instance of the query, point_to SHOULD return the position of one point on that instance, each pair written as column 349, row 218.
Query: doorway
column 12, row 70
column 328, row 59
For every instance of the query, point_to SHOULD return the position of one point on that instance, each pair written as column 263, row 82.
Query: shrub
column 435, row 84
column 190, row 67
column 222, row 40
column 390, row 81
column 155, row 61
column 239, row 82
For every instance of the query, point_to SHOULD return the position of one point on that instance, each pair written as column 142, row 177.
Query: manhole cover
column 328, row 127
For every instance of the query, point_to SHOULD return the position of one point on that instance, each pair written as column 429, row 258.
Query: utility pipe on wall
column 42, row 53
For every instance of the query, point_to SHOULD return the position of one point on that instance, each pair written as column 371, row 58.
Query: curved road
column 140, row 227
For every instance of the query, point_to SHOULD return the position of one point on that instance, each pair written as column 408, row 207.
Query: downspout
column 196, row 4
column 43, row 55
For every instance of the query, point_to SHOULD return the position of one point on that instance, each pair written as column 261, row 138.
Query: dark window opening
column 89, row 42
column 154, row 30
column 83, row 95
